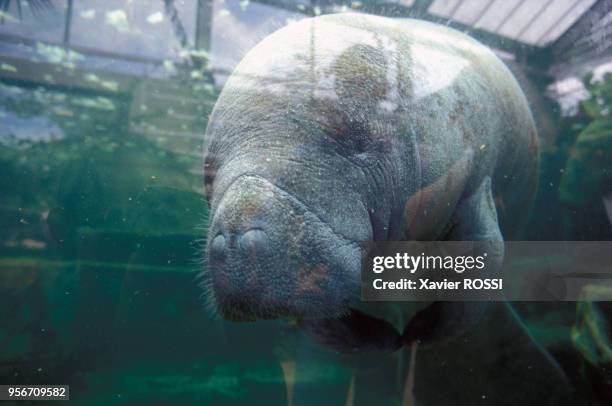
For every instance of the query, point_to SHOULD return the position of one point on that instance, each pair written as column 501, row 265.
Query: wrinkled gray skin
column 347, row 128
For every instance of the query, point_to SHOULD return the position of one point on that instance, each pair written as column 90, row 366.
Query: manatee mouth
column 355, row 332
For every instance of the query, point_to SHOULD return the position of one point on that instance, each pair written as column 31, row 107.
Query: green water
column 103, row 220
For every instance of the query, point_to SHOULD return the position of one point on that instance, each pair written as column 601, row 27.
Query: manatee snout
column 269, row 256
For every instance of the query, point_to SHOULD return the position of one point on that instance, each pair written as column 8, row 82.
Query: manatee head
column 301, row 165
column 289, row 206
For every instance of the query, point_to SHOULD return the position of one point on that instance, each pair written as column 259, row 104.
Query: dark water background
column 102, row 219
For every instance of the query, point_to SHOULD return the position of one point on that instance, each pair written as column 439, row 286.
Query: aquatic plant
column 588, row 172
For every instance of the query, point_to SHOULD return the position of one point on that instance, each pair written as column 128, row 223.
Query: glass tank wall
column 103, row 110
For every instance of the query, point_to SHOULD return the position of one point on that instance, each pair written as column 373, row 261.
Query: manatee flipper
column 426, row 212
column 474, row 219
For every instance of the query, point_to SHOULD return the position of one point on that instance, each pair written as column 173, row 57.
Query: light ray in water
column 350, row 399
column 409, row 386
column 289, row 375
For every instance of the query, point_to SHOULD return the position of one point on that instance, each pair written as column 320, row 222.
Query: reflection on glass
column 123, row 123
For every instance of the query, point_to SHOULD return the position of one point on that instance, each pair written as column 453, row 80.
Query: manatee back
column 444, row 94
column 484, row 106
column 460, row 103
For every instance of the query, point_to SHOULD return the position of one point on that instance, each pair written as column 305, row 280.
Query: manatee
column 346, row 128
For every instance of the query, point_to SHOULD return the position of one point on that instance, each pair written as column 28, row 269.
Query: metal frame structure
column 541, row 58
column 566, row 49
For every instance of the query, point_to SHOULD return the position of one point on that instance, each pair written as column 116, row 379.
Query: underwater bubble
column 155, row 18
column 8, row 68
column 118, row 20
column 88, row 14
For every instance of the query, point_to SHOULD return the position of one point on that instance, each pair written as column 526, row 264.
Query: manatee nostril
column 217, row 246
column 254, row 240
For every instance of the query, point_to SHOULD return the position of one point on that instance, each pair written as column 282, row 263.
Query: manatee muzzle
column 270, row 256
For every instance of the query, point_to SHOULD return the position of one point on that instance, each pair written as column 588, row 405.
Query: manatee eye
column 352, row 135
column 353, row 138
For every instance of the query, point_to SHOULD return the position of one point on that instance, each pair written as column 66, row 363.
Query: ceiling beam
column 305, row 7
column 204, row 9
column 67, row 22
column 524, row 53
column 420, row 7
column 560, row 50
